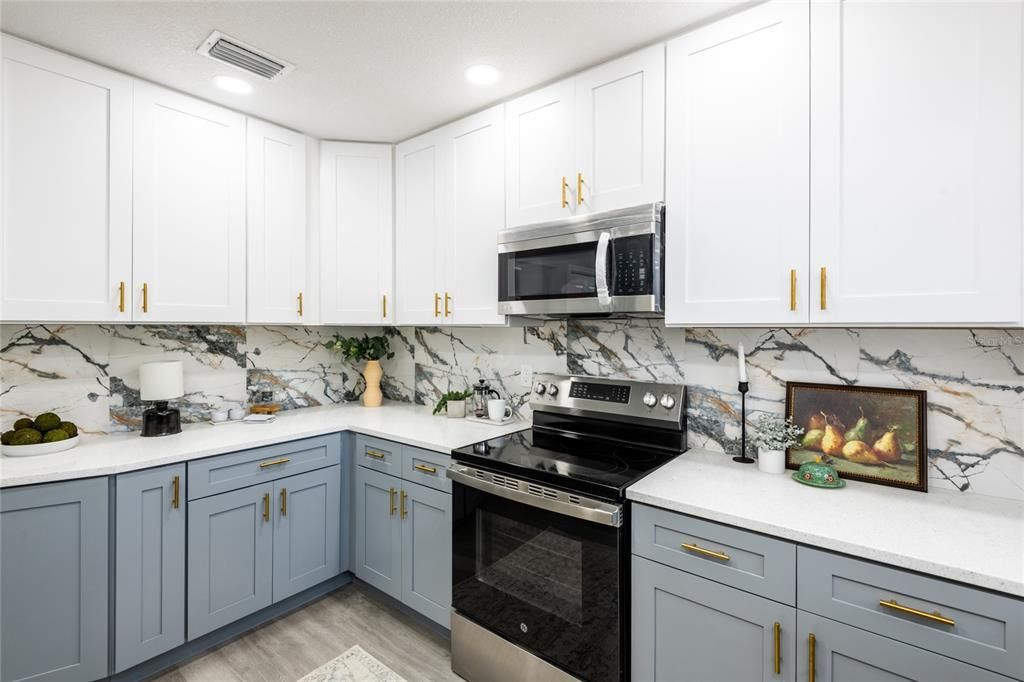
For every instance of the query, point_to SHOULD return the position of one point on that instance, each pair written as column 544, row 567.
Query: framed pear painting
column 868, row 434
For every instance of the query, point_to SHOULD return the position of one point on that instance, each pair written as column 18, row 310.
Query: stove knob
column 650, row 400
column 552, row 390
column 540, row 388
column 667, row 401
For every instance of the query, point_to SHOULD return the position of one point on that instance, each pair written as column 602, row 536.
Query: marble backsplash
column 974, row 378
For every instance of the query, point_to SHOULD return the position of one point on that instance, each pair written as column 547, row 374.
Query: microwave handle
column 604, row 296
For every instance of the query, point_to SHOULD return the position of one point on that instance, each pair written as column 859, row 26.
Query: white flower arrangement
column 776, row 433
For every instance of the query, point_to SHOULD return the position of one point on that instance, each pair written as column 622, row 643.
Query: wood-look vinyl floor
column 287, row 648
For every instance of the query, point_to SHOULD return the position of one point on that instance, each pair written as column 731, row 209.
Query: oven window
column 552, row 273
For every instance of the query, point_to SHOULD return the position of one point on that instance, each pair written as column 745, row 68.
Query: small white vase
column 456, row 409
column 771, row 461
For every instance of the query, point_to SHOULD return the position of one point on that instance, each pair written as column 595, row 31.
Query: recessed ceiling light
column 483, row 74
column 231, row 84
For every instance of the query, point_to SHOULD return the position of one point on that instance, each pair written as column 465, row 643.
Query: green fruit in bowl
column 26, row 437
column 55, row 435
column 47, row 421
column 23, row 423
column 69, row 428
column 5, row 439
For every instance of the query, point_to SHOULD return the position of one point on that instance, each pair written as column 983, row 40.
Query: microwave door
column 564, row 277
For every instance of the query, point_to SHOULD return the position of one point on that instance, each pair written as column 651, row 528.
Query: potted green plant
column 774, row 436
column 454, row 402
column 371, row 349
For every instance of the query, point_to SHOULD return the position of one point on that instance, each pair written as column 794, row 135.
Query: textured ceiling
column 375, row 71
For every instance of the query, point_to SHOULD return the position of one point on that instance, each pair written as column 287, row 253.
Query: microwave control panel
column 632, row 266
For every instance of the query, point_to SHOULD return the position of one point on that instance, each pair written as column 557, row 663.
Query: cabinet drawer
column 747, row 561
column 240, row 469
column 426, row 468
column 986, row 628
column 382, row 455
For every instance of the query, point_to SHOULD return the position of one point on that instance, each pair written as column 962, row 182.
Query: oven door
column 540, row 570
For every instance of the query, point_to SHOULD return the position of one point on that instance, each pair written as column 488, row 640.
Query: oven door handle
column 604, row 295
column 583, row 508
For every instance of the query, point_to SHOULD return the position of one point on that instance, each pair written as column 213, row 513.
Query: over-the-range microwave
column 608, row 263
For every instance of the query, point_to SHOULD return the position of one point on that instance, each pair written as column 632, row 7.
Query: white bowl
column 40, row 448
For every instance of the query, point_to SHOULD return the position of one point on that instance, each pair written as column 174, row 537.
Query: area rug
column 355, row 665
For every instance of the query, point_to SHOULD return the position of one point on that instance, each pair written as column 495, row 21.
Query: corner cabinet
column 189, row 209
column 593, row 142
column 54, row 583
column 356, row 234
column 67, row 160
column 277, row 285
column 448, row 210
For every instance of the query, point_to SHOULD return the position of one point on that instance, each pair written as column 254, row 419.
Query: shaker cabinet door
column 189, row 209
column 149, row 530
column 378, row 533
column 356, row 233
column 916, row 162
column 277, row 291
column 307, row 531
column 737, row 219
column 53, row 586
column 65, row 246
column 427, row 551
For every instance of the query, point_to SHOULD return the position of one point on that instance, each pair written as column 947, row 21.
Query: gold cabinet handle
column 384, row 307
column 810, row 657
column 404, row 496
column 176, row 492
column 792, row 289
column 824, row 281
column 266, row 507
column 777, row 631
column 447, row 304
column 579, row 189
column 425, row 468
column 284, row 501
column 936, row 616
column 721, row 556
column 120, row 298
column 300, row 304
column 274, row 462
column 375, row 454
column 437, row 303
column 145, row 297
column 391, row 502
column 565, row 186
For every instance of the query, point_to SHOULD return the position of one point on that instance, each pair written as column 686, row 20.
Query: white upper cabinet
column 593, row 142
column 620, row 132
column 67, row 181
column 276, row 225
column 356, row 233
column 540, row 159
column 476, row 165
column 737, row 170
column 419, row 226
column 916, row 162
column 189, row 208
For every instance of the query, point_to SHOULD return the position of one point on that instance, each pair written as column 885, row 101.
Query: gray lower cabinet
column 230, row 557
column 829, row 651
column 378, row 530
column 686, row 628
column 307, row 530
column 427, row 551
column 53, row 586
column 149, row 564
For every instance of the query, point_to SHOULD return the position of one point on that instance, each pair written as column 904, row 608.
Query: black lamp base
column 161, row 420
column 742, row 458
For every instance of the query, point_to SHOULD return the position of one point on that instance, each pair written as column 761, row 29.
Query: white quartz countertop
column 117, row 453
column 973, row 539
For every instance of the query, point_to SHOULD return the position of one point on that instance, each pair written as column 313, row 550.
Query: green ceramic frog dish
column 819, row 475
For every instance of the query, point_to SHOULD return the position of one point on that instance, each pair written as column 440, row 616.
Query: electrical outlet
column 526, row 376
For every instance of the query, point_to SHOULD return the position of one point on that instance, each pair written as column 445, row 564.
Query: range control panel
column 623, row 398
column 613, row 393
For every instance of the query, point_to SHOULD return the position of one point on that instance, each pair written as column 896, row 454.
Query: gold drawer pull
column 120, row 298
column 810, row 657
column 425, row 468
column 391, row 501
column 721, row 556
column 145, row 297
column 792, row 289
column 274, row 462
column 384, row 307
column 777, row 630
column 266, row 507
column 824, row 282
column 375, row 454
column 579, row 189
column 936, row 616
column 300, row 304
column 405, row 496
column 447, row 304
column 437, row 302
column 176, row 492
column 565, row 186
column 284, row 501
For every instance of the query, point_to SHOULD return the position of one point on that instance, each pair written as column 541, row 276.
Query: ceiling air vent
column 226, row 49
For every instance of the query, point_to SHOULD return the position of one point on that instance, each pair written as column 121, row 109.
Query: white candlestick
column 743, row 365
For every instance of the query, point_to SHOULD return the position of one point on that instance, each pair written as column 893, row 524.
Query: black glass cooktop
column 585, row 464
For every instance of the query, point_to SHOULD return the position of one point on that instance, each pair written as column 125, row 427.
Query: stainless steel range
column 540, row 531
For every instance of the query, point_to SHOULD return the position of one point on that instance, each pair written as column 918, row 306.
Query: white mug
column 236, row 413
column 219, row 416
column 498, row 410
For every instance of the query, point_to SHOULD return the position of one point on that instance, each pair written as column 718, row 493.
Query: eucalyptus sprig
column 776, row 433
column 354, row 349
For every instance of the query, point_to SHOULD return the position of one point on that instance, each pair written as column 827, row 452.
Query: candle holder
column 742, row 458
